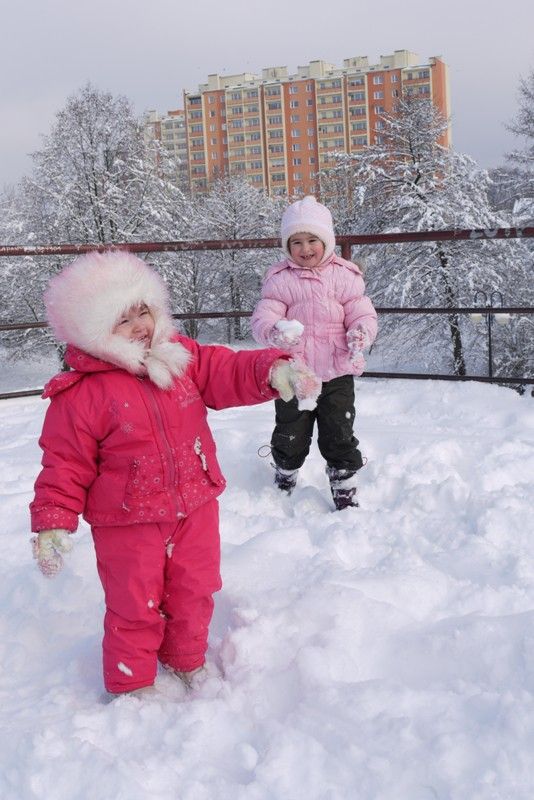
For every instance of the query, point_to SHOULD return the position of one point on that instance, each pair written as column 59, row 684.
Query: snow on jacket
column 118, row 449
column 329, row 301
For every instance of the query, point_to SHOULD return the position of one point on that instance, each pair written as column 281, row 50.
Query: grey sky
column 150, row 50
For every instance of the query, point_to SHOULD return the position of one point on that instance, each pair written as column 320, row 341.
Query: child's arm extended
column 227, row 378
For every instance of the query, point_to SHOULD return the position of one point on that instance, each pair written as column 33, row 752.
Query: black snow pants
column 334, row 412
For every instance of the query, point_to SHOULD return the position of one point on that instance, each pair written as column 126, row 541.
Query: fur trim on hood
column 86, row 300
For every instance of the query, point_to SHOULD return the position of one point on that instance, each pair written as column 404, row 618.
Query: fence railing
column 346, row 242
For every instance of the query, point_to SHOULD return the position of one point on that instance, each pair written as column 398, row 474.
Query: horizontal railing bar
column 345, row 240
column 394, row 375
column 240, row 314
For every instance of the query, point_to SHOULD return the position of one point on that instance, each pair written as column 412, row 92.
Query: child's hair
column 308, row 216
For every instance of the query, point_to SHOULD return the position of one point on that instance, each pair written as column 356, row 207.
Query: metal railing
column 346, row 242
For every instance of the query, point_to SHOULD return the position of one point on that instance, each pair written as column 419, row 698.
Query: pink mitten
column 47, row 548
column 292, row 379
column 357, row 341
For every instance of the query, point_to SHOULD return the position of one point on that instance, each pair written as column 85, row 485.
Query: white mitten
column 357, row 341
column 286, row 333
column 47, row 547
column 295, row 380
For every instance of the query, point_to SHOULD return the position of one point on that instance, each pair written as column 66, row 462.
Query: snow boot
column 285, row 479
column 192, row 678
column 343, row 487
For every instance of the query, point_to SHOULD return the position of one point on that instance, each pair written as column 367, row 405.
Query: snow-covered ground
column 380, row 653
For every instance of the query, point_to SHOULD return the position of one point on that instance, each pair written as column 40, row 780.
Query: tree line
column 97, row 179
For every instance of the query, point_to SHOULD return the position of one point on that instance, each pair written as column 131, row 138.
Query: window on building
column 311, row 160
column 378, row 109
column 277, row 120
column 295, row 147
column 293, row 104
column 295, row 133
column 394, row 78
column 378, row 95
column 295, row 117
column 274, row 104
column 297, row 162
column 378, row 79
column 293, row 89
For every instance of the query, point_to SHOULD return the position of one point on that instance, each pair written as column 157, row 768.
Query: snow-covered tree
column 523, row 127
column 411, row 182
column 96, row 180
column 234, row 209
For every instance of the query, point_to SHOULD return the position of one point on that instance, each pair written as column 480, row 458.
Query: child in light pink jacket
column 314, row 305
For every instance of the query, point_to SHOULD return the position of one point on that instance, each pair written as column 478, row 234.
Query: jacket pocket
column 197, row 463
column 340, row 359
column 145, row 481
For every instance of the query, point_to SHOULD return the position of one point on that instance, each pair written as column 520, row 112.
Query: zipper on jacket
column 150, row 392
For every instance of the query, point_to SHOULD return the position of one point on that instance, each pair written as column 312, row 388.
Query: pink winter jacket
column 118, row 449
column 329, row 301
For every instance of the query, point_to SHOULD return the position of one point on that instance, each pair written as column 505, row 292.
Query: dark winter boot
column 343, row 487
column 285, row 479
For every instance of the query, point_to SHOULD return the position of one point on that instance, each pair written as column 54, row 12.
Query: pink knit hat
column 309, row 216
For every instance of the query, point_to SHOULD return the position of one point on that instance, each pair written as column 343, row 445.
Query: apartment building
column 278, row 130
column 170, row 130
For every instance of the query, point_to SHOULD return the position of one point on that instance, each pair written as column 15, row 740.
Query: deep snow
column 380, row 653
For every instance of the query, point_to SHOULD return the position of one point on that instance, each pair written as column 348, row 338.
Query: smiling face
column 306, row 250
column 136, row 325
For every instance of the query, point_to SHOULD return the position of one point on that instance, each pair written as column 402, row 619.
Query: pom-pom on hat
column 308, row 216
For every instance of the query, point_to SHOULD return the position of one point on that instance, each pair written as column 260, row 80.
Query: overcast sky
column 150, row 50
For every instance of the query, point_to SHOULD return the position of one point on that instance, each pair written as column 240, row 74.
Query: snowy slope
column 383, row 653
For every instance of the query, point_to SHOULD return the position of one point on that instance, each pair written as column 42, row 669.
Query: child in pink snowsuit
column 313, row 304
column 127, row 444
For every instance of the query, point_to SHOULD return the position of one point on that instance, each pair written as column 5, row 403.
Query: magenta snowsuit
column 139, row 463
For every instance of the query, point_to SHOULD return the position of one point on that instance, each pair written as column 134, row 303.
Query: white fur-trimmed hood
column 87, row 298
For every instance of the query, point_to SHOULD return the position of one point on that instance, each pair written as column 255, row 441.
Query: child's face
column 136, row 325
column 306, row 250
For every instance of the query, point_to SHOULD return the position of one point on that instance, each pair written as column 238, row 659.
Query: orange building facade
column 278, row 130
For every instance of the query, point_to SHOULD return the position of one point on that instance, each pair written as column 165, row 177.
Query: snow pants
column 158, row 582
column 334, row 413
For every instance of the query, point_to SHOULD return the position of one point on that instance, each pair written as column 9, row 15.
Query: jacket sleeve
column 226, row 378
column 69, row 467
column 359, row 310
column 270, row 309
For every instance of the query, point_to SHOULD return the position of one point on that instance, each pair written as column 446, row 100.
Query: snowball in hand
column 290, row 327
